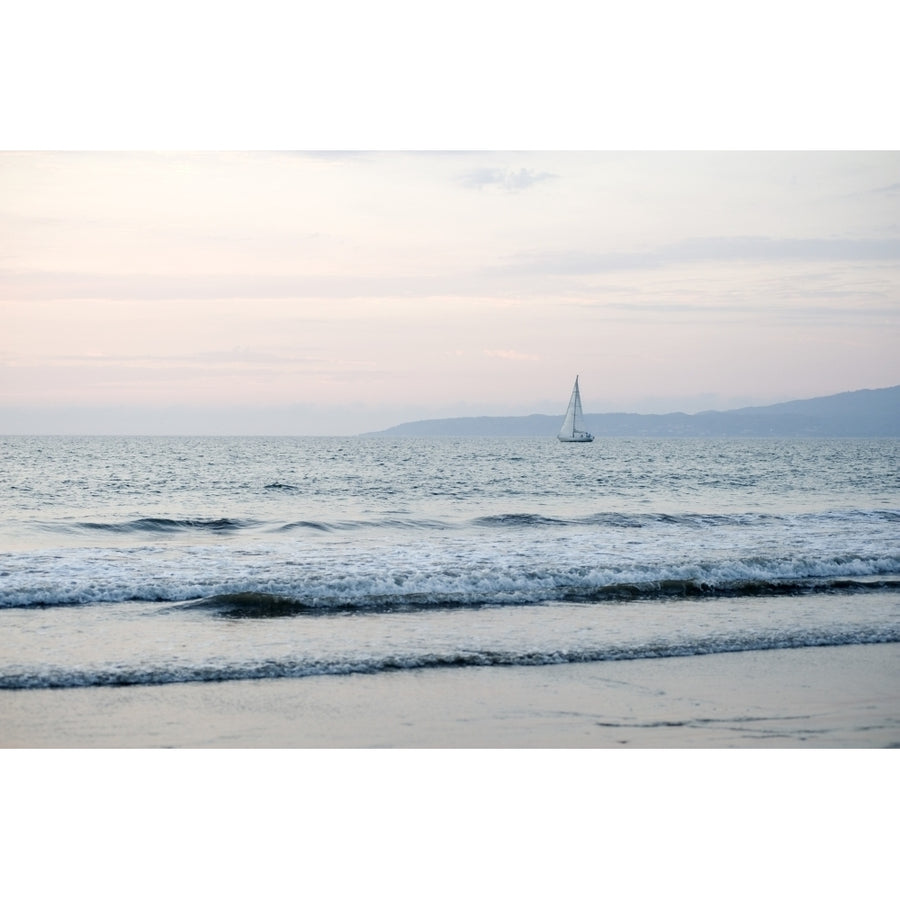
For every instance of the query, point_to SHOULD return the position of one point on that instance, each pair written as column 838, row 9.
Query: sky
column 687, row 207
column 338, row 293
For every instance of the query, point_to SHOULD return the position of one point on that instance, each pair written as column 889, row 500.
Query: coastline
column 825, row 697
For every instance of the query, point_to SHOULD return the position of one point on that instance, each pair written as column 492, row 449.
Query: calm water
column 155, row 560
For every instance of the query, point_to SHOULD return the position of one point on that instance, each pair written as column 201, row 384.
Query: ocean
column 150, row 561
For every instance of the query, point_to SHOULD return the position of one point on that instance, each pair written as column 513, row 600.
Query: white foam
column 505, row 569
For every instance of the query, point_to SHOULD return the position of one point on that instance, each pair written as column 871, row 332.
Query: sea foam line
column 21, row 678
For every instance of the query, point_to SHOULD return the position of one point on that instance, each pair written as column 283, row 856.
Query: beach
column 823, row 697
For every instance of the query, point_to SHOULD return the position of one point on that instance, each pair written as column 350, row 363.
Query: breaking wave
column 282, row 593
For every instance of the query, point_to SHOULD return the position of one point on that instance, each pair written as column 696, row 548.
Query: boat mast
column 577, row 408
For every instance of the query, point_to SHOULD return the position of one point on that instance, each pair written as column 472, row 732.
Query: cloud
column 727, row 249
column 37, row 285
column 504, row 179
column 516, row 276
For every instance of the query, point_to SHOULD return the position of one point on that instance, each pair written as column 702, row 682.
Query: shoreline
column 827, row 697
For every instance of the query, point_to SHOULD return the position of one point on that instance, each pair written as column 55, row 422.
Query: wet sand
column 829, row 697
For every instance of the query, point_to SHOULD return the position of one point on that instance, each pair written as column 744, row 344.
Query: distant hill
column 869, row 413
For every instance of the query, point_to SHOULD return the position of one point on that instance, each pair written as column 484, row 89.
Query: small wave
column 303, row 524
column 162, row 525
column 21, row 678
column 623, row 520
column 281, row 486
column 519, row 520
column 690, row 520
column 364, row 524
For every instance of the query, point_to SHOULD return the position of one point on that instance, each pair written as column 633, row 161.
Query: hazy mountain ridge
column 864, row 413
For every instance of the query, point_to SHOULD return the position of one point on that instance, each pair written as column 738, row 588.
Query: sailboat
column 572, row 431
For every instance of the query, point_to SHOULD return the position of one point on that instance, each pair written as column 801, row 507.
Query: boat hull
column 577, row 439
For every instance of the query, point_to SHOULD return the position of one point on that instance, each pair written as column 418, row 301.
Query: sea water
column 136, row 561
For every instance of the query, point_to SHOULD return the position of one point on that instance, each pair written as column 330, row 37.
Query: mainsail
column 572, row 429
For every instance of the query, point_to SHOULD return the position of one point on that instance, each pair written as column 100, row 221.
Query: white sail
column 572, row 430
column 568, row 425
